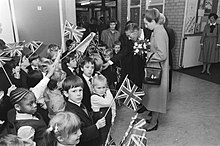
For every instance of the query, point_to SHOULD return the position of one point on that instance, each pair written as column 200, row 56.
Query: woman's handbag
column 152, row 74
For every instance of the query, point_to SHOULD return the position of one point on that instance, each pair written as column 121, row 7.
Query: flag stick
column 108, row 137
column 6, row 74
column 129, row 129
column 115, row 97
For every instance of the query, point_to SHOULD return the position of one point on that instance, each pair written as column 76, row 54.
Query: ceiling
column 96, row 3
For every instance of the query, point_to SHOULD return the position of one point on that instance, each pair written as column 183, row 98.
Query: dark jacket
column 90, row 133
column 12, row 125
column 86, row 94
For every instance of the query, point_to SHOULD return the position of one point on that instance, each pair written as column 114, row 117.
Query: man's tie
column 90, row 84
column 84, row 109
column 212, row 28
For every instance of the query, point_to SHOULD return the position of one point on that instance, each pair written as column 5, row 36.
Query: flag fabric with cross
column 137, row 137
column 130, row 94
column 82, row 46
column 73, row 32
column 14, row 49
column 3, row 59
column 34, row 45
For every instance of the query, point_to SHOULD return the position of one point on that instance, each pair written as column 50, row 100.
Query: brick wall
column 123, row 12
column 174, row 11
column 143, row 8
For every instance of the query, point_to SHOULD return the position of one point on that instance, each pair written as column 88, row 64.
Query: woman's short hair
column 152, row 14
column 214, row 15
column 99, row 78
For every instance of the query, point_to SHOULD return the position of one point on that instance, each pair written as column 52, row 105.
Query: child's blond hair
column 62, row 124
column 99, row 78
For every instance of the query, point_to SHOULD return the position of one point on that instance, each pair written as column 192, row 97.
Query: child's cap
column 18, row 94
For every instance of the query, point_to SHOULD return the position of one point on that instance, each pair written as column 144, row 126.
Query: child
column 34, row 61
column 52, row 51
column 117, row 65
column 98, row 62
column 70, row 45
column 101, row 101
column 73, row 90
column 24, row 114
column 87, row 67
column 70, row 63
column 64, row 130
column 54, row 99
column 109, row 72
column 34, row 75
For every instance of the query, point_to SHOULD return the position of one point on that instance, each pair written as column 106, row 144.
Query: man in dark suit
column 132, row 65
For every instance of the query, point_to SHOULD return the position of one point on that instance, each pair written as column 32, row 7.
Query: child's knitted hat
column 18, row 94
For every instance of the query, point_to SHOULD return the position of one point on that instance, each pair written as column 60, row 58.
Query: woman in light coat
column 156, row 96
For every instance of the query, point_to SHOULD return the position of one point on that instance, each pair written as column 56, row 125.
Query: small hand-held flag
column 2, row 62
column 34, row 46
column 137, row 137
column 130, row 94
column 73, row 32
column 134, row 136
column 81, row 47
column 14, row 49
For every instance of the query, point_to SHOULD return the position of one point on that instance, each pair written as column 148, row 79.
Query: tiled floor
column 192, row 118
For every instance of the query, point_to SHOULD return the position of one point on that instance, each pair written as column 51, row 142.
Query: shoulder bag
column 152, row 74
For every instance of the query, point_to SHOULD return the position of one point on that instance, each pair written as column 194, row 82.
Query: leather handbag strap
column 150, row 58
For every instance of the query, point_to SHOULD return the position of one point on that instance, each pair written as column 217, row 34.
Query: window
column 158, row 4
column 134, row 11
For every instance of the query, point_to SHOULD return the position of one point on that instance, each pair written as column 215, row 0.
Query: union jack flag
column 73, row 32
column 130, row 94
column 81, row 47
column 137, row 138
column 139, row 123
column 34, row 45
column 3, row 59
column 14, row 49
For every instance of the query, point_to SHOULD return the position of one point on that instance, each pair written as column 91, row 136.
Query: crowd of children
column 59, row 99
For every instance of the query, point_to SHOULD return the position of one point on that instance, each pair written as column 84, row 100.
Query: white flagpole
column 115, row 97
column 61, row 26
